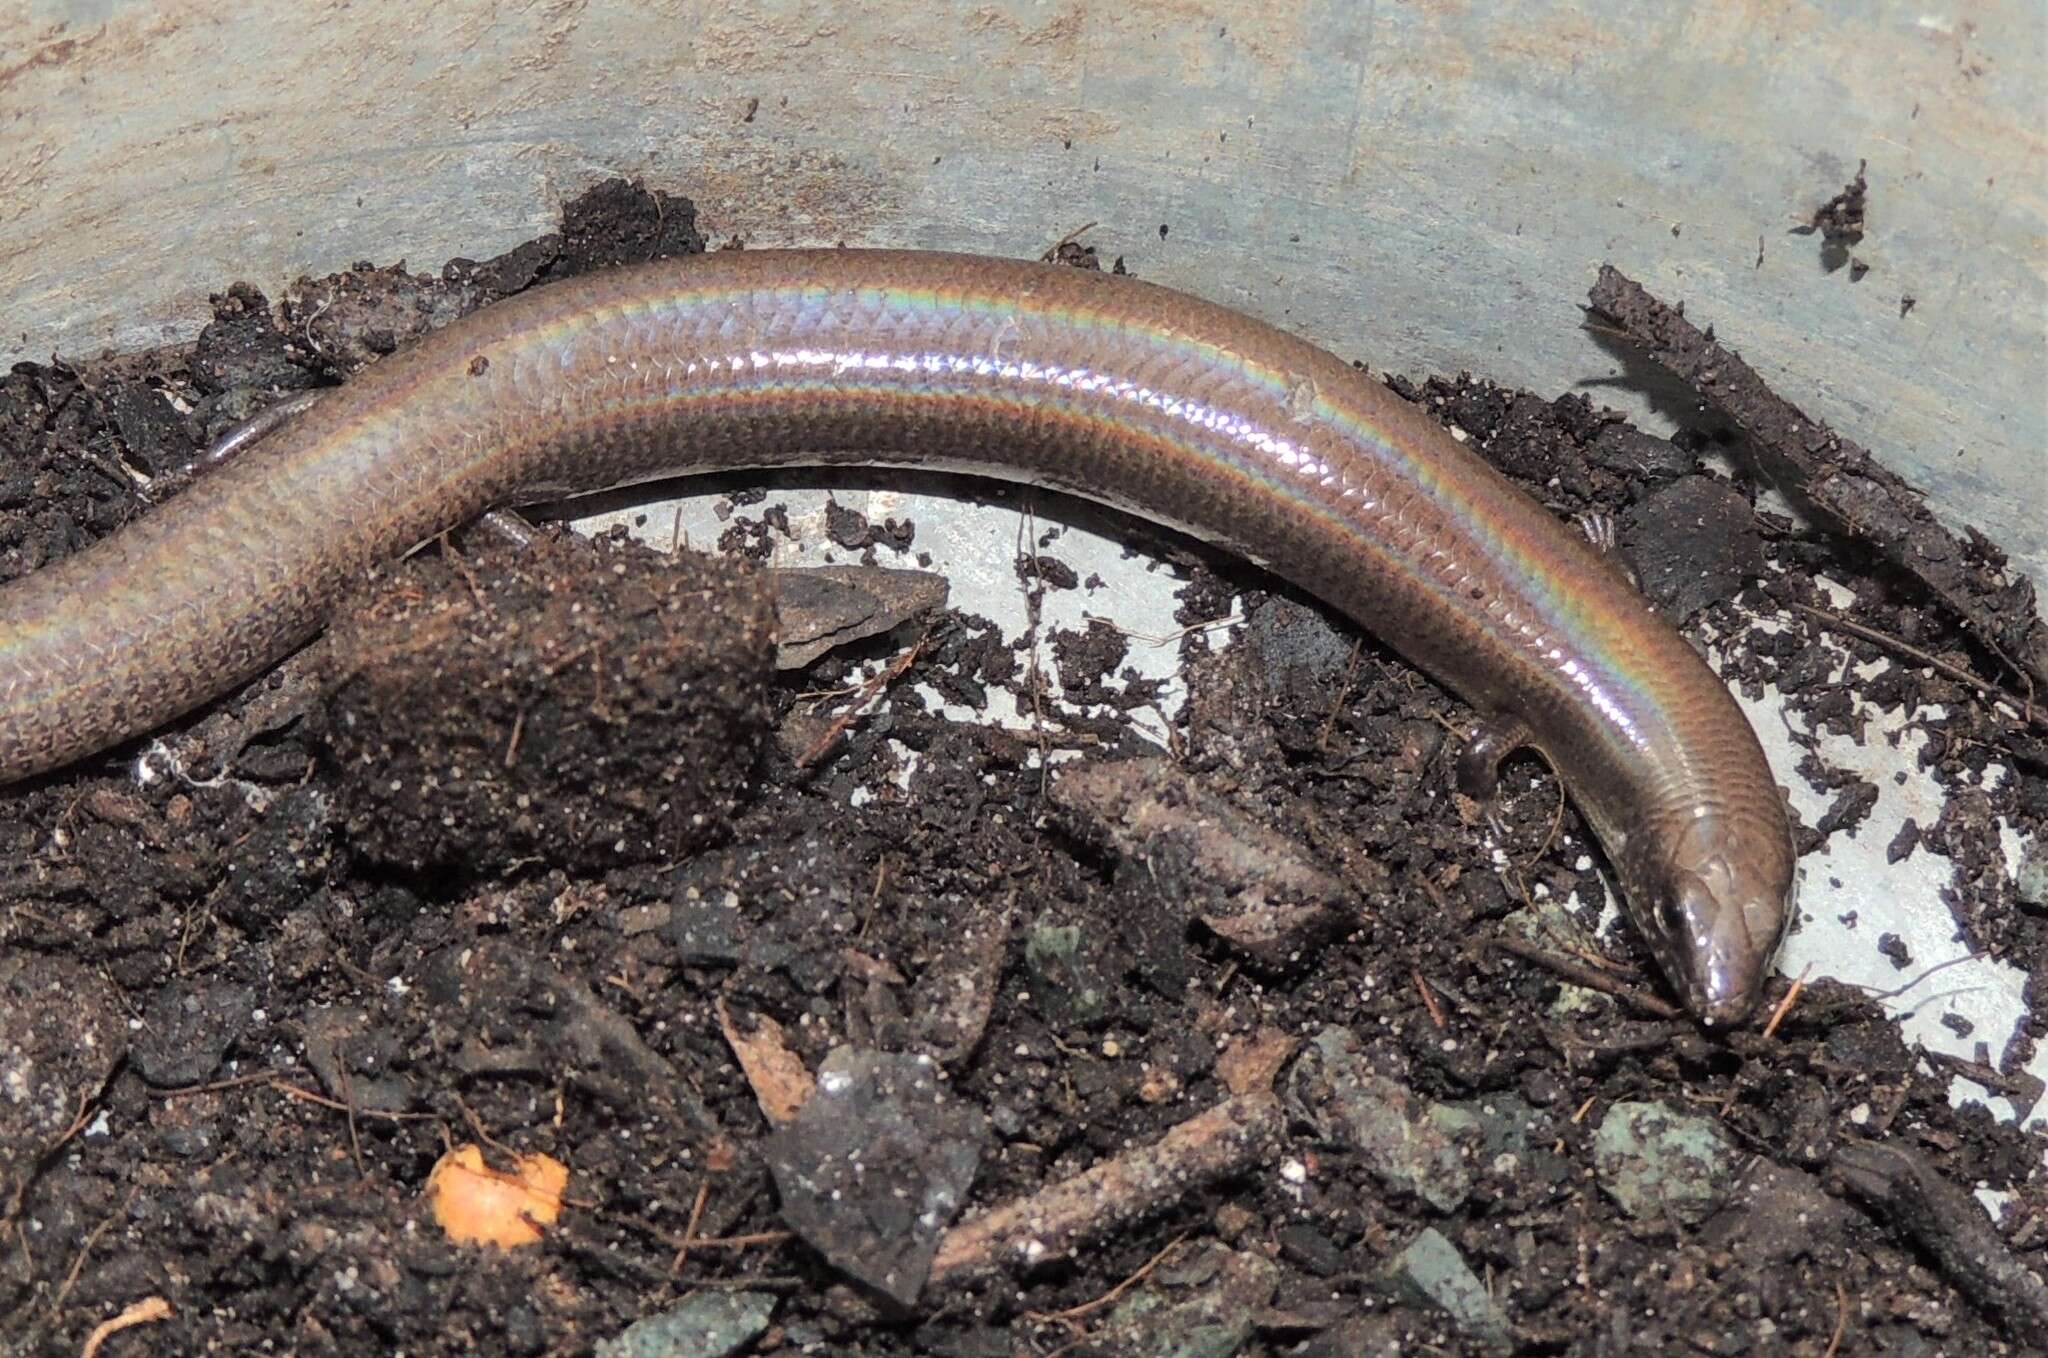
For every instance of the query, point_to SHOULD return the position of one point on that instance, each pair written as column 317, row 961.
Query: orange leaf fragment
column 477, row 1205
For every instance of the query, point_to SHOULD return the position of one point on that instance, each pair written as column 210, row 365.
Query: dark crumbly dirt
column 553, row 704
column 533, row 874
column 1840, row 222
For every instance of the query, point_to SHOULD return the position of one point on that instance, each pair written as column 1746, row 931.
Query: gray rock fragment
column 706, row 932
column 1549, row 924
column 1654, row 1162
column 2031, row 881
column 187, row 1029
column 876, row 1166
column 1408, row 1143
column 1430, row 1270
column 1067, row 987
column 708, row 1325
column 1223, row 1290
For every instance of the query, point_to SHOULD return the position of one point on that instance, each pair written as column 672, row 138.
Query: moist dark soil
column 864, row 1030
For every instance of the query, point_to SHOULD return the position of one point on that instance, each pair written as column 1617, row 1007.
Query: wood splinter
column 1232, row 1137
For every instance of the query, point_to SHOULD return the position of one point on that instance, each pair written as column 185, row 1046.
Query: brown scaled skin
column 1715, row 914
column 1119, row 391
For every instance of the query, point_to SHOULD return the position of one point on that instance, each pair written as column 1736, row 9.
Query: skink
column 1112, row 389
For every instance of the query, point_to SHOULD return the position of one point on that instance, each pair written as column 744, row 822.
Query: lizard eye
column 1671, row 914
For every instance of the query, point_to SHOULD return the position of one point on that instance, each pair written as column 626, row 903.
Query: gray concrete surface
column 1427, row 186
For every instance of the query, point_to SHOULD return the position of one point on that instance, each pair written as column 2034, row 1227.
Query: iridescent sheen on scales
column 1185, row 412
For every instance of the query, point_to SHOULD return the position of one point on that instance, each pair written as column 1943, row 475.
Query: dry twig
column 1228, row 1139
column 1633, row 996
column 1848, row 489
column 2024, row 706
column 1785, row 1005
